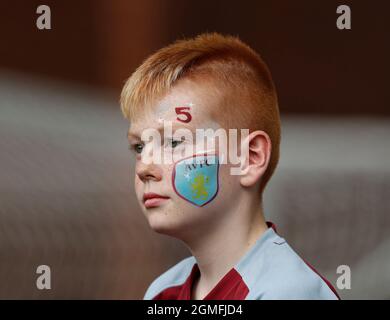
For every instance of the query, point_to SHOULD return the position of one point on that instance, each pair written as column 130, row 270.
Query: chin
column 159, row 221
column 166, row 223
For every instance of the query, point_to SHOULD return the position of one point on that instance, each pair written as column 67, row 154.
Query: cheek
column 196, row 180
column 168, row 170
column 228, row 182
column 137, row 184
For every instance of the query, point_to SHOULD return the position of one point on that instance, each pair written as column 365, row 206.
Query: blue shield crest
column 195, row 179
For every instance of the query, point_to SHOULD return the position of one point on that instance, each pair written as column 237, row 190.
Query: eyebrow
column 160, row 129
column 130, row 135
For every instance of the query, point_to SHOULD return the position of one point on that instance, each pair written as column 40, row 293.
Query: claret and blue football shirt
column 269, row 270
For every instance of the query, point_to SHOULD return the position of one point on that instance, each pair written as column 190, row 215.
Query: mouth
column 152, row 200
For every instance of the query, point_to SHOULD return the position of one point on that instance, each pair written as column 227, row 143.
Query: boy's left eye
column 174, row 143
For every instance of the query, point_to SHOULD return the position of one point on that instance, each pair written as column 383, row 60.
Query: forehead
column 187, row 104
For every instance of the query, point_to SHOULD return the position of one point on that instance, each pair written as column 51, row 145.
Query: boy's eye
column 174, row 143
column 138, row 147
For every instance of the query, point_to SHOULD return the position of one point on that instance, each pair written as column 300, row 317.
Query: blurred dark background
column 66, row 197
column 317, row 68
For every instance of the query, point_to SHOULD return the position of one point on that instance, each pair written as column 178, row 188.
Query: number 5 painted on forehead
column 182, row 111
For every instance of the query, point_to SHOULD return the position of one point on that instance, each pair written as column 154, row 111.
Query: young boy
column 213, row 84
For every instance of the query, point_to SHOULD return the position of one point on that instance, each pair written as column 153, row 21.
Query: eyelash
column 173, row 140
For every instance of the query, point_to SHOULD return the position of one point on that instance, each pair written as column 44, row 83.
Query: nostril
column 148, row 176
column 148, row 172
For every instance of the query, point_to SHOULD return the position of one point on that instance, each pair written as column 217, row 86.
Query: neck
column 221, row 246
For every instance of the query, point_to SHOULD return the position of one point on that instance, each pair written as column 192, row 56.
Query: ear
column 257, row 158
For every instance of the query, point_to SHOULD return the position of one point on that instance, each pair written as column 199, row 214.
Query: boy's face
column 190, row 194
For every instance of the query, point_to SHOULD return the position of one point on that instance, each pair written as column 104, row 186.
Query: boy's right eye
column 137, row 147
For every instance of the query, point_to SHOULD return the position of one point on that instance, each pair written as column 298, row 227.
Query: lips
column 152, row 200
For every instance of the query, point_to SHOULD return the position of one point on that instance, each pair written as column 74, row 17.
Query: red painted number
column 181, row 111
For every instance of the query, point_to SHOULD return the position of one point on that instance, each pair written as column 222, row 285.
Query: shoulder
column 174, row 276
column 279, row 273
column 294, row 279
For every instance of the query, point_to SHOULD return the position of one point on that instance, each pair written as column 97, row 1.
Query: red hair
column 248, row 94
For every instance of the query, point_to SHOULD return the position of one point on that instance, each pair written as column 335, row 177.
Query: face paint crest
column 196, row 178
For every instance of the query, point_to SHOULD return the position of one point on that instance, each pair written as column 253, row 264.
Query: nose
column 147, row 172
